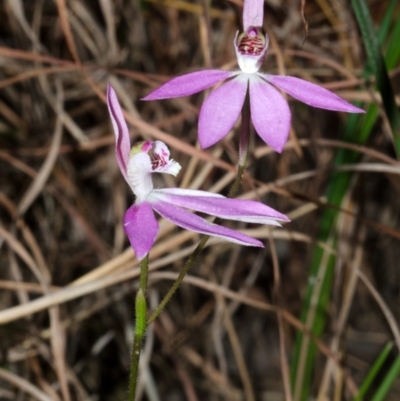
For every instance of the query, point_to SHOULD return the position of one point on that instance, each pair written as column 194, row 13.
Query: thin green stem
column 232, row 192
column 179, row 279
column 140, row 326
column 144, row 274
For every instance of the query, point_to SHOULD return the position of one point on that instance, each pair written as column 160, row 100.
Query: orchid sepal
column 192, row 222
column 189, row 84
column 311, row 94
column 226, row 102
column 253, row 13
column 217, row 205
column 122, row 140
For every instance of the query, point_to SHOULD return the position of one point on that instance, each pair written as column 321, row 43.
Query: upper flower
column 140, row 225
column 270, row 112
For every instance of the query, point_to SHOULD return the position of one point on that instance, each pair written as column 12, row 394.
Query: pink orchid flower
column 270, row 112
column 140, row 225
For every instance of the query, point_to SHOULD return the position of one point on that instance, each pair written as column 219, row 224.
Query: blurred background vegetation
column 235, row 330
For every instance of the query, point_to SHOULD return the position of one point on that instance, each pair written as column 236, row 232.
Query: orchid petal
column 141, row 227
column 122, row 140
column 189, row 192
column 220, row 111
column 270, row 113
column 311, row 94
column 192, row 222
column 253, row 13
column 188, row 84
column 233, row 209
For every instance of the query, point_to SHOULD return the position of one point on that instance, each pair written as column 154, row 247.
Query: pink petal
column 141, row 227
column 311, row 94
column 220, row 111
column 188, row 84
column 270, row 113
column 232, row 209
column 253, row 13
column 190, row 221
column 122, row 140
column 187, row 192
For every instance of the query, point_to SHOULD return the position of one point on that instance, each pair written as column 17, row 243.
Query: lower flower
column 140, row 224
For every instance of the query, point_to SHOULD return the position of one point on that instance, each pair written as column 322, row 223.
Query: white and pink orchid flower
column 140, row 225
column 270, row 112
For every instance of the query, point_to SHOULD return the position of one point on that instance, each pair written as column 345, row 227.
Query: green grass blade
column 393, row 49
column 376, row 367
column 386, row 21
column 388, row 381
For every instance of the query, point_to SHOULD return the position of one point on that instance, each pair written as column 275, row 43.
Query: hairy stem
column 140, row 326
column 144, row 274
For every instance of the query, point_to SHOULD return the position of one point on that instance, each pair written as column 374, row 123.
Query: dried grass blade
column 43, row 174
column 18, row 11
column 107, row 7
column 58, row 350
column 19, row 249
column 391, row 320
column 24, row 385
column 63, row 14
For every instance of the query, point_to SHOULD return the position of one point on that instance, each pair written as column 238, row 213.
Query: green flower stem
column 140, row 326
column 144, row 274
column 236, row 185
column 243, row 152
column 179, row 279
